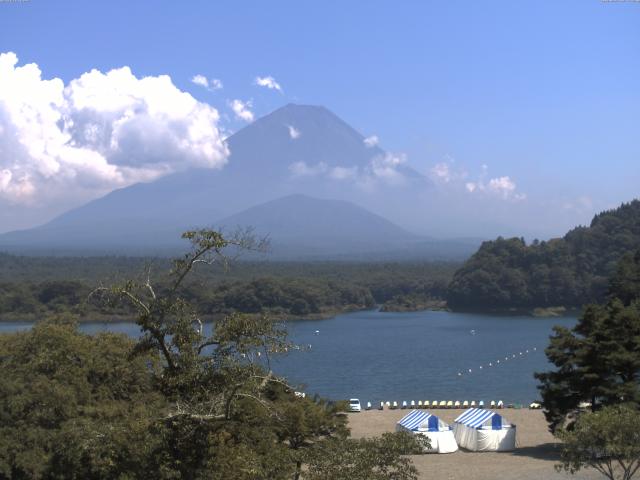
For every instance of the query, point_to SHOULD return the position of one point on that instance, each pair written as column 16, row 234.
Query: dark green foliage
column 380, row 458
column 283, row 290
column 607, row 441
column 569, row 271
column 73, row 403
column 598, row 361
column 625, row 284
column 285, row 296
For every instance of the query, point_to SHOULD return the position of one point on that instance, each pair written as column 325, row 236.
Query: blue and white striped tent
column 481, row 430
column 417, row 420
column 421, row 422
column 479, row 417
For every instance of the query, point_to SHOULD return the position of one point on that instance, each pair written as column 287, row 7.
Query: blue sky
column 544, row 92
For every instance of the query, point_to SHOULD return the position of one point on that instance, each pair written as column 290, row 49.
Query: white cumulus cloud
column 381, row 169
column 99, row 132
column 294, row 133
column 447, row 173
column 385, row 167
column 502, row 187
column 449, row 176
column 209, row 84
column 242, row 110
column 441, row 172
column 268, row 82
column 302, row 169
column 200, row 80
column 371, row 141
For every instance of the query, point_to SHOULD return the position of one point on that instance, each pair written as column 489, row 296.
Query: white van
column 354, row 405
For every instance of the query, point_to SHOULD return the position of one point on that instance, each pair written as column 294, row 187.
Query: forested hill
column 568, row 271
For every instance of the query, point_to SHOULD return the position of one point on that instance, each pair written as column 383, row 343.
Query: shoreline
column 553, row 312
column 108, row 318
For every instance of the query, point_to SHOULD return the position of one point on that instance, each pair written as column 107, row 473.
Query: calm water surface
column 409, row 356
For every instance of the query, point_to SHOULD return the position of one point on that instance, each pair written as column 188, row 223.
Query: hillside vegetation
column 568, row 271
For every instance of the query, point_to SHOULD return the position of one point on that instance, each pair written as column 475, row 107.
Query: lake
column 379, row 356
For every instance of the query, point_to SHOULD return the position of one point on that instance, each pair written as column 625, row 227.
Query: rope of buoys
column 497, row 362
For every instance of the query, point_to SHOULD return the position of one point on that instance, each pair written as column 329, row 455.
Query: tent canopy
column 479, row 417
column 482, row 430
column 419, row 420
column 440, row 435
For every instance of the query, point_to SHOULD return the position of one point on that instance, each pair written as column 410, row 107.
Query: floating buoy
column 497, row 362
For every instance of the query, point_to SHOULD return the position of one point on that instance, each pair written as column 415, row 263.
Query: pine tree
column 598, row 361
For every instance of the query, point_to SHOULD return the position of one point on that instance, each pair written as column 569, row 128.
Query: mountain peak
column 301, row 106
column 289, row 151
column 298, row 133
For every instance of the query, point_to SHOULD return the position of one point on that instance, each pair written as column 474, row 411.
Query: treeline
column 568, row 271
column 282, row 290
column 280, row 296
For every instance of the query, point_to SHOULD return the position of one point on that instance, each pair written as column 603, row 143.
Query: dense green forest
column 503, row 274
column 31, row 287
column 568, row 271
column 175, row 403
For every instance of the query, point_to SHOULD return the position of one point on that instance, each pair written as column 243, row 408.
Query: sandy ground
column 534, row 458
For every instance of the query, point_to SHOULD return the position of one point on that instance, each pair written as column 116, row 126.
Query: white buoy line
column 499, row 362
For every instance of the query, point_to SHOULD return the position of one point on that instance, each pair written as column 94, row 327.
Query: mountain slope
column 304, row 224
column 568, row 271
column 260, row 168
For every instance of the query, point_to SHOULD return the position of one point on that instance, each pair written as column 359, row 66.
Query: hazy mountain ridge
column 294, row 149
column 302, row 218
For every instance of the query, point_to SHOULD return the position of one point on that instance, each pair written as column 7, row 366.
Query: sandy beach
column 534, row 458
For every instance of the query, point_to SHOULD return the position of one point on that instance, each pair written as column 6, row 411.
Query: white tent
column 481, row 430
column 440, row 435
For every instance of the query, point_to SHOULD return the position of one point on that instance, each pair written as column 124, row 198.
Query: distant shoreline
column 436, row 306
column 107, row 318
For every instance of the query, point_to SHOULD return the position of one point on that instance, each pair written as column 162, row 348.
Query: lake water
column 377, row 356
